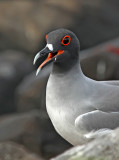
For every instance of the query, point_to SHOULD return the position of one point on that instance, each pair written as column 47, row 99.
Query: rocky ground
column 26, row 133
column 103, row 148
column 13, row 151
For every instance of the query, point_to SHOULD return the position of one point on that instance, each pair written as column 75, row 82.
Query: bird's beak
column 50, row 57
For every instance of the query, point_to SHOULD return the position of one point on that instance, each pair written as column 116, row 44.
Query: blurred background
column 25, row 129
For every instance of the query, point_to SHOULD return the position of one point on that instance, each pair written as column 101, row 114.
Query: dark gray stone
column 13, row 151
column 33, row 130
column 24, row 24
column 14, row 66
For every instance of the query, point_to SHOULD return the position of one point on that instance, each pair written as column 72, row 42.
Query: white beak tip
column 33, row 62
column 37, row 72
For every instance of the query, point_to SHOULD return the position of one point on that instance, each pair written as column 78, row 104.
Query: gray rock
column 102, row 148
column 13, row 151
column 34, row 130
column 23, row 24
column 31, row 92
column 14, row 66
column 101, row 62
column 22, row 128
column 97, row 22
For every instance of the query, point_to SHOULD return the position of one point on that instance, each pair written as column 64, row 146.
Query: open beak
column 50, row 57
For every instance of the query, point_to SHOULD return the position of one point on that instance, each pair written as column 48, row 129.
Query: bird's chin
column 52, row 56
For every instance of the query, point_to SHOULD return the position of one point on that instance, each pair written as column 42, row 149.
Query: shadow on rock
column 14, row 66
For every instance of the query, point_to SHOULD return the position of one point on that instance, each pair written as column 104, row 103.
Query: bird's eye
column 66, row 40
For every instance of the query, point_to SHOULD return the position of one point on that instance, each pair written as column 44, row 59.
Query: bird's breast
column 63, row 107
column 64, row 123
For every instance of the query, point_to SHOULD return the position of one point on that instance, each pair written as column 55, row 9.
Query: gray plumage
column 76, row 104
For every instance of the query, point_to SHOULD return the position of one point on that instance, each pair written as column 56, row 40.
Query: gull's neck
column 65, row 67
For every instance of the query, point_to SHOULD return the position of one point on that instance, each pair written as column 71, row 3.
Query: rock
column 101, row 62
column 97, row 22
column 105, row 147
column 23, row 24
column 14, row 66
column 34, row 130
column 31, row 92
column 22, row 128
column 97, row 63
column 13, row 151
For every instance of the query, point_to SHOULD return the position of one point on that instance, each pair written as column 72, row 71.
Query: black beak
column 45, row 56
column 42, row 55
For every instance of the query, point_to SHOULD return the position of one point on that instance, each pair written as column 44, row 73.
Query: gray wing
column 116, row 83
column 97, row 120
column 105, row 97
column 105, row 101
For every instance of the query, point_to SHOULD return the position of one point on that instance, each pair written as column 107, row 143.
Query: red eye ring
column 66, row 40
column 46, row 37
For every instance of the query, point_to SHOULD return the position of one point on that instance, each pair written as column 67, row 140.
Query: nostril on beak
column 41, row 54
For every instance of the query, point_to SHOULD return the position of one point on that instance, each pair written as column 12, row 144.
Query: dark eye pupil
column 66, row 40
